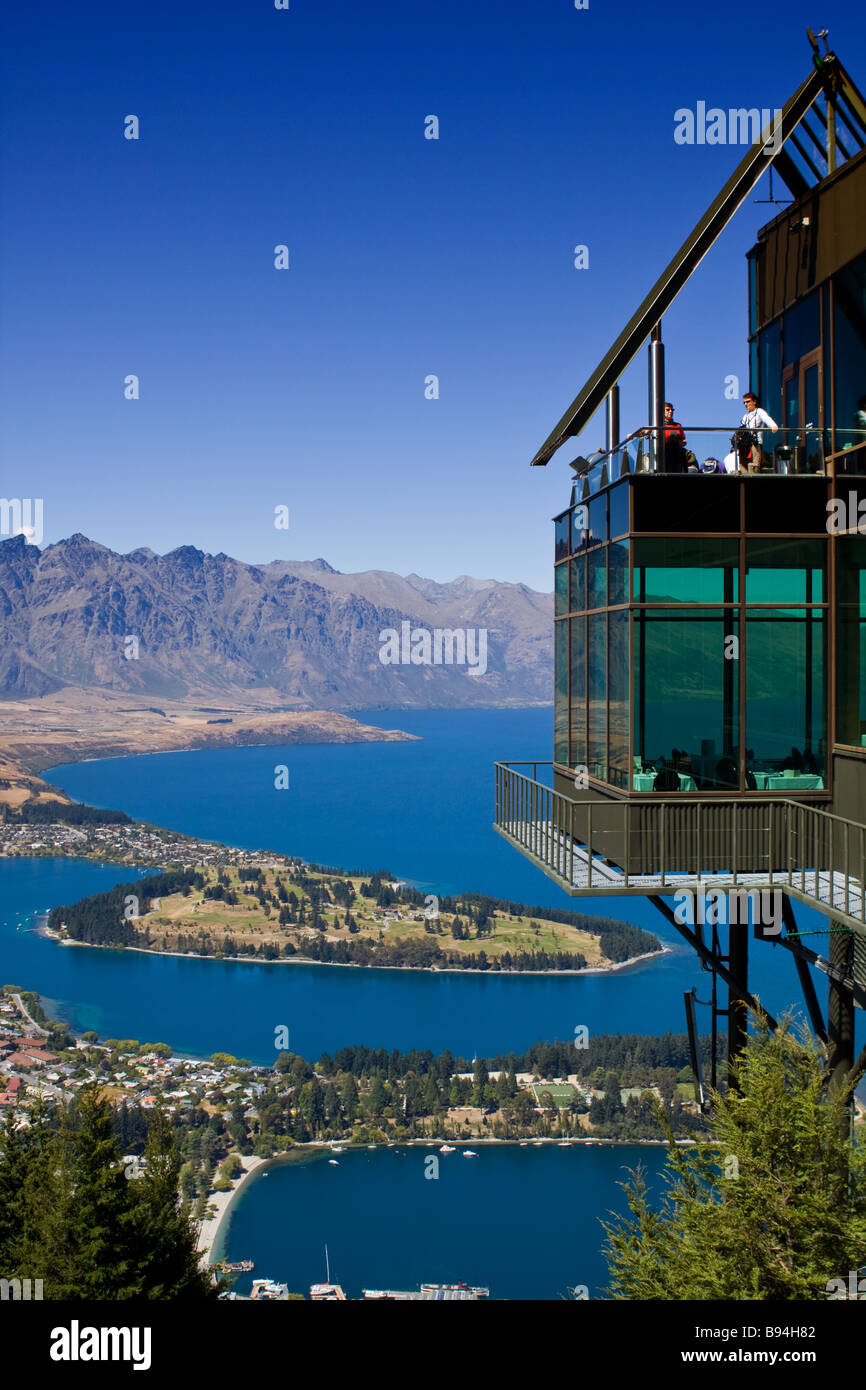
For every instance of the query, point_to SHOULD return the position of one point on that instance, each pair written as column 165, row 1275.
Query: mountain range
column 287, row 634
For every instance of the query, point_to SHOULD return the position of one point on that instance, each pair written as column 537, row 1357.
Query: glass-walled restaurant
column 807, row 322
column 699, row 662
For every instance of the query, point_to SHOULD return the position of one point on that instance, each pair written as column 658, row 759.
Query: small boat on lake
column 447, row 1149
column 469, row 1153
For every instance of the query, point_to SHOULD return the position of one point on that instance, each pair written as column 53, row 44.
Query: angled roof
column 807, row 152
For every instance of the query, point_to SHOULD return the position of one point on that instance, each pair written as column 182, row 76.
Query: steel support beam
column 807, row 984
column 711, row 960
column 738, row 991
column 840, row 1014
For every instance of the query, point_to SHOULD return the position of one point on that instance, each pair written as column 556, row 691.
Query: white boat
column 469, row 1153
column 336, row 1148
column 333, row 1162
column 447, row 1149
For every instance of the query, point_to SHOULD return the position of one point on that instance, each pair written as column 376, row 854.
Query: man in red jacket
column 675, row 443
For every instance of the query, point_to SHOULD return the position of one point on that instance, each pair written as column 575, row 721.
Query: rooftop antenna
column 822, row 34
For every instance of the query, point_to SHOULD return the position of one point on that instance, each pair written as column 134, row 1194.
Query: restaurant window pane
column 849, row 356
column 561, row 589
column 785, row 571
column 685, row 698
column 578, row 584
column 597, row 695
column 598, row 519
column 580, row 527
column 560, row 692
column 617, row 687
column 770, row 375
column 617, row 572
column 802, row 331
column 618, row 507
column 851, row 641
column 578, row 692
column 562, row 536
column 673, row 569
column 596, row 577
column 785, row 716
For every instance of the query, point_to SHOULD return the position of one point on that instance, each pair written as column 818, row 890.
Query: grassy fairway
column 206, row 923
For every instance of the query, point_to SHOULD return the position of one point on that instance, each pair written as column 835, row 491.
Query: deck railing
column 607, row 846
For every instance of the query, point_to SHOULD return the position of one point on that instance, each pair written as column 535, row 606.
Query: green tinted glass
column 561, row 589
column 597, row 695
column 782, row 571
column 675, row 569
column 617, row 577
column 560, row 692
column 785, row 716
column 578, row 584
column 578, row 691
column 617, row 686
column 685, row 683
column 596, row 577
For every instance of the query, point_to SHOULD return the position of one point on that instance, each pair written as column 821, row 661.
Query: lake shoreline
column 214, row 1227
column 46, row 932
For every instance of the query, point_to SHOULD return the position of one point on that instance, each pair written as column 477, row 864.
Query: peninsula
column 232, row 904
column 75, row 725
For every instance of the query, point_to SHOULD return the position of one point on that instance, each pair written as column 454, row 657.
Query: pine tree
column 349, row 1098
column 165, row 1233
column 772, row 1207
column 72, row 1215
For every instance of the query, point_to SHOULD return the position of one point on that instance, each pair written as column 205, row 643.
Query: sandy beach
column 209, row 1229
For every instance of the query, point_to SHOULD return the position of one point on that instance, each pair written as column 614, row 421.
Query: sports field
column 561, row 1095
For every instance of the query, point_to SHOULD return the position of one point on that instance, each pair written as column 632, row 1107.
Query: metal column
column 657, row 395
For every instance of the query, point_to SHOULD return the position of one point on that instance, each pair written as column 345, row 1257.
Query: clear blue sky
column 408, row 257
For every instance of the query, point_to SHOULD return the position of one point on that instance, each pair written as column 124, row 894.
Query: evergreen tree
column 349, row 1098
column 166, row 1236
column 772, row 1208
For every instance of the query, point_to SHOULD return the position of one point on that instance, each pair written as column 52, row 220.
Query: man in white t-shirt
column 756, row 420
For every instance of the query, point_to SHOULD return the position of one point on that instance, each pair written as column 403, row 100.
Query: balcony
column 796, row 451
column 592, row 847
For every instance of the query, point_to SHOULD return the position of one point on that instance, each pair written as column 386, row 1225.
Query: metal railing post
column 589, row 842
column 788, row 817
column 770, row 843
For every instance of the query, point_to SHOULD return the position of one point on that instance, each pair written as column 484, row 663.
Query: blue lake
column 523, row 1222
column 421, row 809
